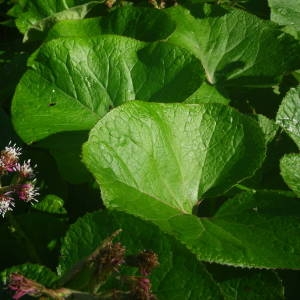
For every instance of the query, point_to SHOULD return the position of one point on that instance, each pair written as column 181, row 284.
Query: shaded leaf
column 51, row 204
column 38, row 235
column 251, row 229
column 65, row 147
column 178, row 268
column 290, row 171
column 145, row 24
column 237, row 48
column 253, row 285
column 288, row 116
column 207, row 94
column 268, row 127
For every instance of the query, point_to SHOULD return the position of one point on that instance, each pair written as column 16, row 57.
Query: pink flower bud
column 25, row 170
column 6, row 203
column 24, row 286
column 9, row 157
column 141, row 289
column 27, row 191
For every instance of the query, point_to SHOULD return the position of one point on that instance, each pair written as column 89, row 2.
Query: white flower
column 6, row 204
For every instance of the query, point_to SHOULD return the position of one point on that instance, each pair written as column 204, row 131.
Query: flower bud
column 23, row 286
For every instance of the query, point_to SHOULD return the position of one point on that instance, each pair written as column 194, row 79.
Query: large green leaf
column 179, row 275
column 286, row 13
column 74, row 82
column 237, row 48
column 288, row 116
column 157, row 160
column 171, row 154
column 290, row 171
column 141, row 23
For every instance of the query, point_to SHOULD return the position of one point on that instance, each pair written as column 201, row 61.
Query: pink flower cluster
column 22, row 185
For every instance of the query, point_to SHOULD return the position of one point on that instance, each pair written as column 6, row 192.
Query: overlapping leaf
column 74, row 82
column 35, row 18
column 157, row 160
column 236, row 48
column 252, row 229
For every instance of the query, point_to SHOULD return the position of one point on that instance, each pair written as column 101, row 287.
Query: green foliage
column 232, row 47
column 288, row 116
column 286, row 13
column 254, row 285
column 290, row 171
column 179, row 125
column 178, row 268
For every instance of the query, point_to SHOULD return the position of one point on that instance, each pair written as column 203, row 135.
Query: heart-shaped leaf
column 171, row 154
column 168, row 156
column 74, row 82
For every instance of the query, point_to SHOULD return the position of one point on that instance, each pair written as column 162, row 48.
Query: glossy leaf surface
column 163, row 183
column 74, row 82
